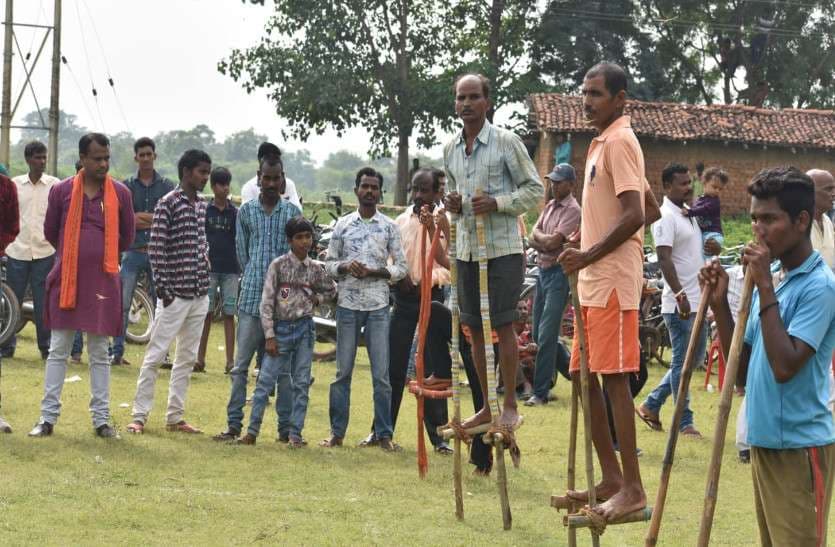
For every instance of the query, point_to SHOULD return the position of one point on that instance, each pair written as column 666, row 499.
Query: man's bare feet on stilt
column 628, row 500
column 483, row 416
column 509, row 418
column 602, row 492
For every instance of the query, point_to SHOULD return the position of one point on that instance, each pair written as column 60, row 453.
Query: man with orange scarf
column 89, row 220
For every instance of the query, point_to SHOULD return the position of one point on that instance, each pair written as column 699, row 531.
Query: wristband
column 765, row 309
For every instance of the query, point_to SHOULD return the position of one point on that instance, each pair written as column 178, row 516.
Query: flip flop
column 652, row 421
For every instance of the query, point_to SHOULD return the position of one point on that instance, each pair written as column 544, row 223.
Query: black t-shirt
column 220, row 233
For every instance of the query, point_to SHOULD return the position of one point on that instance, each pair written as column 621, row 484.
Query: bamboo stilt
column 725, row 403
column 582, row 521
column 584, row 395
column 684, row 385
column 457, row 367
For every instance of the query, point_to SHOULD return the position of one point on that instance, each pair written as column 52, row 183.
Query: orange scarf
column 72, row 237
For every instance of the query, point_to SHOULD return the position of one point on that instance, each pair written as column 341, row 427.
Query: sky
column 162, row 56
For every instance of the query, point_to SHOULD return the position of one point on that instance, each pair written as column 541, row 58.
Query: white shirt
column 30, row 243
column 736, row 278
column 251, row 190
column 683, row 235
column 823, row 239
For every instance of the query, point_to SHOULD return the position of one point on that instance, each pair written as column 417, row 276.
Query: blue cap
column 562, row 171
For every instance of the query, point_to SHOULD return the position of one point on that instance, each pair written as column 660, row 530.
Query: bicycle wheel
column 9, row 313
column 140, row 318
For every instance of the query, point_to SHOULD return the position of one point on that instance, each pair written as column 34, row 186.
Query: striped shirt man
column 259, row 240
column 500, row 167
column 178, row 250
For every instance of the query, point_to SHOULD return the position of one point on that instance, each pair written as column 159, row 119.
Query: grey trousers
column 56, row 369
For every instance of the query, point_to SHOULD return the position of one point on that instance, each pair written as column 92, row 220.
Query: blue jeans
column 77, row 343
column 19, row 274
column 291, row 369
column 679, row 337
column 249, row 337
column 548, row 307
column 348, row 328
column 134, row 264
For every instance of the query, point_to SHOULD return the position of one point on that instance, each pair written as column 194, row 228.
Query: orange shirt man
column 610, row 265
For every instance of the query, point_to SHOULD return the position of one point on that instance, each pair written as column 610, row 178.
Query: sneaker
column 42, row 429
column 4, row 426
column 536, row 401
column 106, row 431
column 228, row 436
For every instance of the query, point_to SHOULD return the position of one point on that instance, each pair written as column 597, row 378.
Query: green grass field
column 164, row 488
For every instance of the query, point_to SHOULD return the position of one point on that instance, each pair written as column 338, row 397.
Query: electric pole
column 7, row 111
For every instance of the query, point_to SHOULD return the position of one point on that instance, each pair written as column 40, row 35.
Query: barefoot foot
column 483, row 416
column 627, row 500
column 509, row 417
column 602, row 492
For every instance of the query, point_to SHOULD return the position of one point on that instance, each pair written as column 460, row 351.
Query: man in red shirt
column 9, row 229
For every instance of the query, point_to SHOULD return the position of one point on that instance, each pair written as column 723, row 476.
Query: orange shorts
column 612, row 336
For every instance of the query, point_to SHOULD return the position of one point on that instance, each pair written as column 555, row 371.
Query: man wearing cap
column 559, row 219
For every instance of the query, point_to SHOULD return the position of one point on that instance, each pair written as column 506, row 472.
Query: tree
column 348, row 63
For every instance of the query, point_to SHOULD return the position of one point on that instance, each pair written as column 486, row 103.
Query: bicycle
column 9, row 307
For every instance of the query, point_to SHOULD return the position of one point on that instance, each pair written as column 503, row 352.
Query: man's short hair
column 670, row 170
column 433, row 174
column 85, row 141
column 32, row 148
column 485, row 83
column 220, row 175
column 268, row 149
column 270, row 159
column 614, row 76
column 78, row 166
column 793, row 189
column 297, row 225
column 142, row 142
column 191, row 159
column 368, row 172
column 716, row 173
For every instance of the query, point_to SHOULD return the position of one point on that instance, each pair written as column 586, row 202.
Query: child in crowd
column 707, row 209
column 224, row 272
column 294, row 285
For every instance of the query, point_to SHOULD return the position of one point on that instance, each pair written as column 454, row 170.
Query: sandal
column 331, row 442
column 652, row 420
column 183, row 427
column 135, row 427
column 296, row 442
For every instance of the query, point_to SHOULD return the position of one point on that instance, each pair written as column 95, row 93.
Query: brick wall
column 740, row 163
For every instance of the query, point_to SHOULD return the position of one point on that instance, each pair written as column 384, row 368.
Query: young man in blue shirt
column 789, row 341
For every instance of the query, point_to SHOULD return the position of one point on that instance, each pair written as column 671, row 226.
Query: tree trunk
column 493, row 58
column 404, row 128
column 402, row 183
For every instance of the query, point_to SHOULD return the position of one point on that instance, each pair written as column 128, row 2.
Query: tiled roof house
column 741, row 139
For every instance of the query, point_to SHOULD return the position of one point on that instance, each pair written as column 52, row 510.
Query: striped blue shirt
column 259, row 240
column 500, row 167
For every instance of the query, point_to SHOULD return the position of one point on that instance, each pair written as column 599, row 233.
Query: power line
column 89, row 69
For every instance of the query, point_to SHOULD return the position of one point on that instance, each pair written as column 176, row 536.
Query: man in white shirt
column 823, row 232
column 31, row 255
column 251, row 190
column 678, row 242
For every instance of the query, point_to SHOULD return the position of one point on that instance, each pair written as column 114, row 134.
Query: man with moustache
column 610, row 266
column 358, row 257
column 489, row 173
column 89, row 220
column 678, row 242
column 260, row 238
column 179, row 255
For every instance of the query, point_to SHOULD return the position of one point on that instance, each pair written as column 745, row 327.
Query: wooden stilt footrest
column 566, row 502
column 448, row 433
column 583, row 521
column 428, row 393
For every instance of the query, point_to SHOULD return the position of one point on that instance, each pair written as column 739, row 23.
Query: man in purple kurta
column 98, row 302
